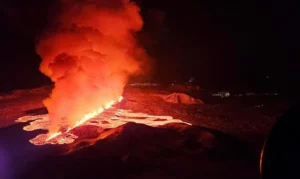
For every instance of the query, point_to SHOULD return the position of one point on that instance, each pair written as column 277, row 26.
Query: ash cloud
column 89, row 52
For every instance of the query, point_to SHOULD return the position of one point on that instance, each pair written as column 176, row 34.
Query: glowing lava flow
column 107, row 117
column 86, row 118
column 120, row 98
column 53, row 136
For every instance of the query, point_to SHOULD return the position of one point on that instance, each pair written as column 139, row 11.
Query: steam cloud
column 89, row 54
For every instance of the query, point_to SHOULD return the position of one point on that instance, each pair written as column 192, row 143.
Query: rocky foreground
column 223, row 142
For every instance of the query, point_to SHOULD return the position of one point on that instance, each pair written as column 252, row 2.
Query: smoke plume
column 89, row 52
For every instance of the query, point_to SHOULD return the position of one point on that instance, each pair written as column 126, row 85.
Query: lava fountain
column 89, row 51
column 105, row 118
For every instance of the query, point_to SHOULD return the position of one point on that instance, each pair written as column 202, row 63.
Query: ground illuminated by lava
column 110, row 118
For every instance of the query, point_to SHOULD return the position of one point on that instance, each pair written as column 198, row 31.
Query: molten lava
column 89, row 51
column 51, row 136
column 85, row 118
column 102, row 118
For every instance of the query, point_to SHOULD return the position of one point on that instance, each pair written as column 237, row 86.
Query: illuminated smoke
column 90, row 52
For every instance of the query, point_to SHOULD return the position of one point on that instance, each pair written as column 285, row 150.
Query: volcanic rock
column 181, row 98
column 139, row 151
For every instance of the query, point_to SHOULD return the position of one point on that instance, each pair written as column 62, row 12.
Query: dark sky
column 219, row 42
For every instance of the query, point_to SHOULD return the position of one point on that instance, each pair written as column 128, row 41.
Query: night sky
column 220, row 43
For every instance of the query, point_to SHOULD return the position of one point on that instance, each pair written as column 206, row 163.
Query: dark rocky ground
column 224, row 141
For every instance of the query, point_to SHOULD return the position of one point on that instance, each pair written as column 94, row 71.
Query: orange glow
column 90, row 53
column 120, row 98
column 85, row 118
column 53, row 136
column 106, row 119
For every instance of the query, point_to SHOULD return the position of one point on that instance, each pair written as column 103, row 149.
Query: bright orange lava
column 107, row 117
column 53, row 136
column 86, row 117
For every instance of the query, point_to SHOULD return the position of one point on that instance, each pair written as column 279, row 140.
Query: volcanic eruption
column 89, row 52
